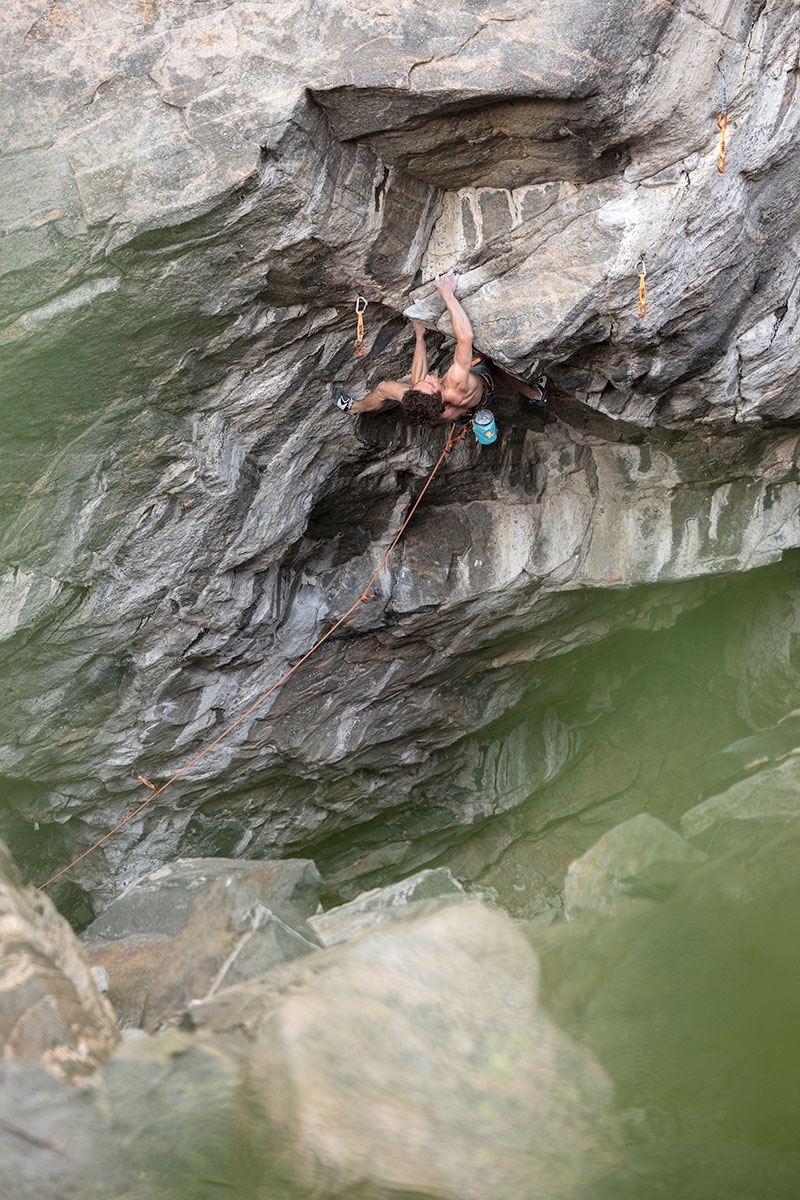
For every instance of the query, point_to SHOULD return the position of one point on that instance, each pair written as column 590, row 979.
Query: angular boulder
column 382, row 904
column 691, row 1006
column 640, row 855
column 770, row 797
column 51, row 1011
column 416, row 1061
column 161, row 1123
column 182, row 931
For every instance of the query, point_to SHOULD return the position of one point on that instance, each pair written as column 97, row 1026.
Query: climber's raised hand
column 447, row 284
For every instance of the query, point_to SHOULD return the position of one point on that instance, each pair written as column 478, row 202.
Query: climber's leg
column 536, row 393
column 387, row 392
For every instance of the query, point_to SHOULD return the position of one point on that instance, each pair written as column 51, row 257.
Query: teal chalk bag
column 483, row 426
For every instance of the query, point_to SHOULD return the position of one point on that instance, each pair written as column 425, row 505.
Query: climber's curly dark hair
column 423, row 408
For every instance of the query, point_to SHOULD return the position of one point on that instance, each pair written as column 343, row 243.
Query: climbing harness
column 641, row 271
column 452, row 440
column 361, row 307
column 722, row 121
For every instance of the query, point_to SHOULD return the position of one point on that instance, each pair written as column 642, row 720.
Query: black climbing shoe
column 342, row 399
column 541, row 383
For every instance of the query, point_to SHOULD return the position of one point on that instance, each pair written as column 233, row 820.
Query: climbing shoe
column 541, row 383
column 342, row 399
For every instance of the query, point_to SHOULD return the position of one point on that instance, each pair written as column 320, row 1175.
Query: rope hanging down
column 641, row 271
column 452, row 439
column 722, row 121
column 361, row 306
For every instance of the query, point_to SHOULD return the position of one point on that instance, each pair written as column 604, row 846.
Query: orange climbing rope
column 361, row 306
column 451, row 442
column 642, row 272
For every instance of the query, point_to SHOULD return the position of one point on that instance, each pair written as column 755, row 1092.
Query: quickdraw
column 361, row 306
column 722, row 125
column 641, row 271
column 722, row 121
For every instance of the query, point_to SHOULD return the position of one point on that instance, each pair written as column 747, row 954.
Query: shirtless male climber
column 454, row 396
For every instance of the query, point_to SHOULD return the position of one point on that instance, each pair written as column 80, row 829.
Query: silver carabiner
column 724, row 86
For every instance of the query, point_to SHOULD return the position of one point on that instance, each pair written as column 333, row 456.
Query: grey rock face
column 198, row 924
column 194, row 197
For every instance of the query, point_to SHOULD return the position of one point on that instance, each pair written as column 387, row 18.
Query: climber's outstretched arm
column 462, row 328
column 388, row 392
column 419, row 364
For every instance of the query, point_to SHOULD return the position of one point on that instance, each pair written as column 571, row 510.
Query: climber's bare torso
column 460, row 389
column 459, row 396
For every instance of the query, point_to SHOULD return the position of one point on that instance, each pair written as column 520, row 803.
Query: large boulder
column 415, row 1060
column 691, row 1005
column 185, row 930
column 160, row 1120
column 769, row 745
column 640, row 854
column 769, row 798
column 51, row 1011
column 345, row 921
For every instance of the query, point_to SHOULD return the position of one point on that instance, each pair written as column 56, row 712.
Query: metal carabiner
column 641, row 271
column 724, row 86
